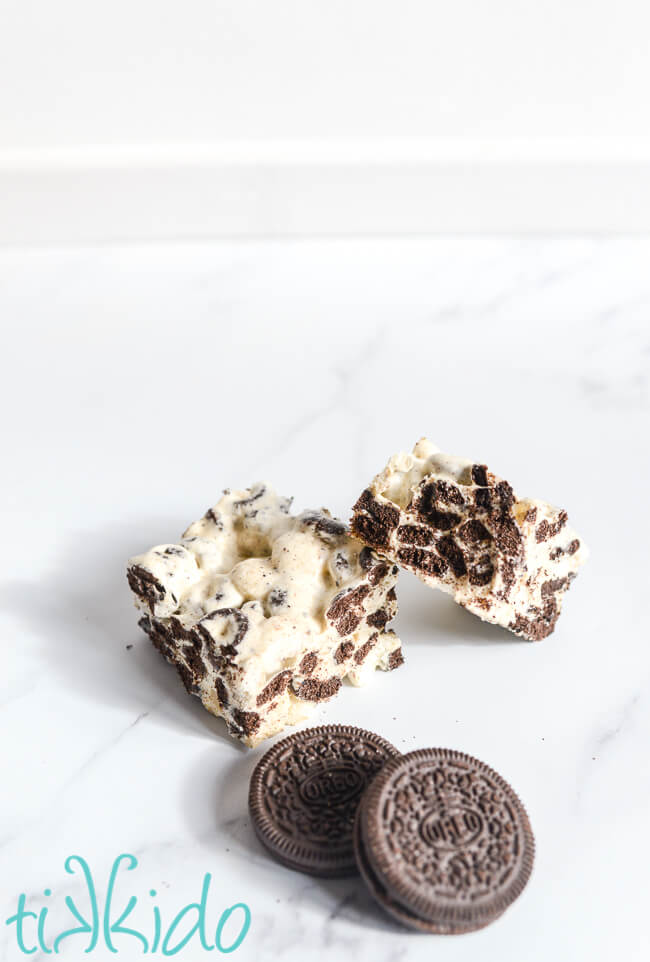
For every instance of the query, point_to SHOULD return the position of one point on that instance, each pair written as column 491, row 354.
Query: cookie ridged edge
column 291, row 853
column 409, row 901
column 389, row 905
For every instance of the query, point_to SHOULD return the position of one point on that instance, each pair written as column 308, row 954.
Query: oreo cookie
column 443, row 842
column 304, row 793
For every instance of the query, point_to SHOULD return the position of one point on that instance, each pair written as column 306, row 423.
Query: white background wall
column 152, row 117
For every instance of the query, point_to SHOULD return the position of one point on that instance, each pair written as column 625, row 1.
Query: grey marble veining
column 139, row 381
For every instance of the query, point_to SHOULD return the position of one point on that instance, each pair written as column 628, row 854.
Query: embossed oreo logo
column 333, row 786
column 451, row 829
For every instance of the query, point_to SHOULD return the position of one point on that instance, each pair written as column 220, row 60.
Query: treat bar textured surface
column 264, row 613
column 461, row 528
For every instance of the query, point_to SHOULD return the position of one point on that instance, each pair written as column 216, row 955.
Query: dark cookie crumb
column 222, row 693
column 538, row 627
column 505, row 495
column 313, row 690
column 444, row 520
column 247, row 721
column 172, row 550
column 346, row 610
column 481, row 573
column 474, row 531
column 483, row 603
column 308, row 663
column 365, row 558
column 277, row 598
column 343, row 652
column 395, row 659
column 448, row 493
column 450, row 551
column 555, row 584
column 378, row 619
column 157, row 638
column 377, row 572
column 323, row 525
column 143, row 584
column 545, row 530
column 426, row 561
column 177, row 631
column 340, row 561
column 414, row 534
column 479, row 475
column 187, row 677
column 361, row 653
column 192, row 655
column 247, row 501
column 507, row 570
column 425, row 504
column 508, row 536
column 210, row 651
column 239, row 618
column 211, row 515
column 372, row 521
column 274, row 688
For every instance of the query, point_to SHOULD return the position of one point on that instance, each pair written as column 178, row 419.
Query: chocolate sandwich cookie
column 384, row 898
column 304, row 794
column 443, row 842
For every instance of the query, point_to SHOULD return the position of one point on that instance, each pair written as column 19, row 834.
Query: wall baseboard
column 132, row 197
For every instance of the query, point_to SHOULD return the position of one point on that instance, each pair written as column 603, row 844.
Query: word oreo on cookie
column 305, row 791
column 442, row 841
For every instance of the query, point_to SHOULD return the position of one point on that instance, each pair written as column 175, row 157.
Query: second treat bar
column 462, row 529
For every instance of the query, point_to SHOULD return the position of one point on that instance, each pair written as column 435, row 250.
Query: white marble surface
column 139, row 381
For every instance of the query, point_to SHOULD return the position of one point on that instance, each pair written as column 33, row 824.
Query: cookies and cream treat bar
column 461, row 528
column 264, row 613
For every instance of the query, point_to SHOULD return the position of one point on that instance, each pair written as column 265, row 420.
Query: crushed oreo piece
column 346, row 610
column 378, row 619
column 324, row 525
column 373, row 522
column 343, row 651
column 274, row 688
column 308, row 663
column 314, row 690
